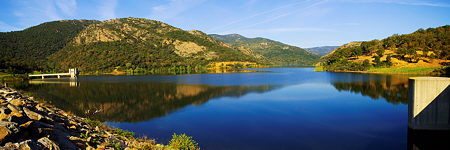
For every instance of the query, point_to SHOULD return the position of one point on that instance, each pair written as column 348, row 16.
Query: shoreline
column 30, row 124
column 431, row 71
column 390, row 73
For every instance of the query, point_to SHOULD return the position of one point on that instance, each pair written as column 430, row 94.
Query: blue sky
column 303, row 23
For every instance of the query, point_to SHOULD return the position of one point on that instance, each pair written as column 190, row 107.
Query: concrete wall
column 429, row 103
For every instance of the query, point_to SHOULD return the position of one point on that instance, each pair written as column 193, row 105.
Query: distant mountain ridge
column 275, row 52
column 321, row 50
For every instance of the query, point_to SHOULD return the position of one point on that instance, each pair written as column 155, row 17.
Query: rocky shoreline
column 29, row 124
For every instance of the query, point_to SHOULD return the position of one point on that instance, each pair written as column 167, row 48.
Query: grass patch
column 93, row 123
column 12, row 77
column 2, row 75
column 319, row 69
column 405, row 70
column 123, row 133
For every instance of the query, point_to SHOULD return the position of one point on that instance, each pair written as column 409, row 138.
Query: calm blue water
column 286, row 108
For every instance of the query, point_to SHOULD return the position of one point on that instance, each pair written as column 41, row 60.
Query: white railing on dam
column 73, row 73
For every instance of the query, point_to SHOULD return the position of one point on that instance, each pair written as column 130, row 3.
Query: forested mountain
column 126, row 43
column 423, row 48
column 142, row 43
column 322, row 50
column 26, row 50
column 276, row 52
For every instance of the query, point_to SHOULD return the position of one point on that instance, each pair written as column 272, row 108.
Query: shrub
column 183, row 142
column 123, row 133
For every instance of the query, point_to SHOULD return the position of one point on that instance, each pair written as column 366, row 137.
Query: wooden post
column 429, row 103
column 42, row 77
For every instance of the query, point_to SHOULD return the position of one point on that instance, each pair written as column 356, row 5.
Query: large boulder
column 32, row 115
column 48, row 144
column 7, row 129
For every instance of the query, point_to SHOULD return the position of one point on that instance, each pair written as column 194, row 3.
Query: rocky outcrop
column 186, row 49
column 29, row 124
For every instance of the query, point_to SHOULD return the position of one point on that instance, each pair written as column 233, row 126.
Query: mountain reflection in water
column 285, row 108
column 131, row 101
column 393, row 88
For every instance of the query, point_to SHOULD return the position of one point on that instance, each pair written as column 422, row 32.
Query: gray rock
column 4, row 110
column 17, row 102
column 11, row 146
column 32, row 115
column 18, row 120
column 48, row 144
column 12, row 126
column 7, row 129
column 15, row 110
column 61, row 137
column 29, row 145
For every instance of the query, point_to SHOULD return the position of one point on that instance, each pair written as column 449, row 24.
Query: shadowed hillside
column 276, row 52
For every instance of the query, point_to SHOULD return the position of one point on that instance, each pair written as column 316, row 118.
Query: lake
column 280, row 108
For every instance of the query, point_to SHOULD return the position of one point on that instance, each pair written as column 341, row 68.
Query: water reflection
column 428, row 140
column 303, row 110
column 72, row 83
column 393, row 88
column 130, row 101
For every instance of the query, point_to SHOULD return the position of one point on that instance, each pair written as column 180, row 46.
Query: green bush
column 183, row 142
column 123, row 133
column 93, row 123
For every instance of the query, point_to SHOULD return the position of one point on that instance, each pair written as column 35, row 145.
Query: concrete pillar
column 429, row 103
column 73, row 73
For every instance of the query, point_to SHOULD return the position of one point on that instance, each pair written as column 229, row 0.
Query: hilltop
column 275, row 52
column 322, row 50
column 423, row 51
column 116, row 44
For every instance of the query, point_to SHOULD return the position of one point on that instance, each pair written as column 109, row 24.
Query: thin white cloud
column 172, row 9
column 347, row 24
column 32, row 12
column 403, row 2
column 274, row 10
column 48, row 8
column 255, row 15
column 281, row 30
column 251, row 2
column 68, row 7
column 107, row 9
column 286, row 14
column 4, row 27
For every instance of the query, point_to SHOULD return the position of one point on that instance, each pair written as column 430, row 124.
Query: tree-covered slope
column 26, row 50
column 423, row 48
column 126, row 43
column 322, row 50
column 141, row 43
column 276, row 52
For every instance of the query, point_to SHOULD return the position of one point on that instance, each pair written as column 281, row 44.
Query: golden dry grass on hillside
column 423, row 62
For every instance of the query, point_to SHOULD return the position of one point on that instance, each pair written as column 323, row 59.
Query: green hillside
column 141, row 43
column 26, row 50
column 126, row 43
column 409, row 53
column 276, row 52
